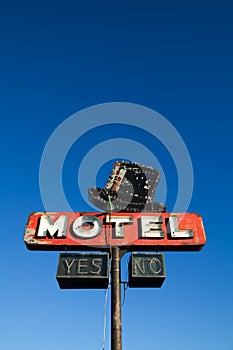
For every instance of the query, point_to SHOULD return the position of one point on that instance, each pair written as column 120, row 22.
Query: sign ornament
column 130, row 188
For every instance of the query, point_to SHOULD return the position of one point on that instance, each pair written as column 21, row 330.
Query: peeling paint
column 132, row 235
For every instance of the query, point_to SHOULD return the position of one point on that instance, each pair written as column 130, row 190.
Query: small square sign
column 83, row 270
column 146, row 270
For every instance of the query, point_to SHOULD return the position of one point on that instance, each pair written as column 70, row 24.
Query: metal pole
column 116, row 323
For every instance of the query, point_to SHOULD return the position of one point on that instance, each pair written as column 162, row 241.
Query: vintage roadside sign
column 146, row 270
column 83, row 270
column 80, row 231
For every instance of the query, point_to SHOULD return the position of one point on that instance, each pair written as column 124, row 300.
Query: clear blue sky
column 174, row 57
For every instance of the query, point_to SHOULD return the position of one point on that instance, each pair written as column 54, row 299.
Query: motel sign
column 77, row 230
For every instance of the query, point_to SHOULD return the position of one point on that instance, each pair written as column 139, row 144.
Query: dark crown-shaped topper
column 129, row 188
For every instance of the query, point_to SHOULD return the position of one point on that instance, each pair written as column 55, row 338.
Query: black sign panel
column 83, row 270
column 146, row 270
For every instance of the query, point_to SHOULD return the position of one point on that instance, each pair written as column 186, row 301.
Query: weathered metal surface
column 83, row 270
column 116, row 319
column 80, row 231
column 130, row 188
column 146, row 270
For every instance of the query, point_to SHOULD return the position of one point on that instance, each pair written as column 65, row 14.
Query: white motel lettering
column 88, row 227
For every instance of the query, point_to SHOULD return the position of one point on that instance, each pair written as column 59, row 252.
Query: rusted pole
column 116, row 322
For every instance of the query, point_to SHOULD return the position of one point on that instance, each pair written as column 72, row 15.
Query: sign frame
column 82, row 270
column 150, row 274
column 66, row 231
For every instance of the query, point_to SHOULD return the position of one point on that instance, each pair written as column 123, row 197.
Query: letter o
column 155, row 266
column 80, row 232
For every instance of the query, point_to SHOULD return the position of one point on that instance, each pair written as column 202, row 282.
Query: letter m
column 47, row 227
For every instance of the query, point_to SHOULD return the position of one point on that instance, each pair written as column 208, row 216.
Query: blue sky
column 172, row 57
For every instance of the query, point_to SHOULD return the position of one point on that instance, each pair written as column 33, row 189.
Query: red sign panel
column 144, row 231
